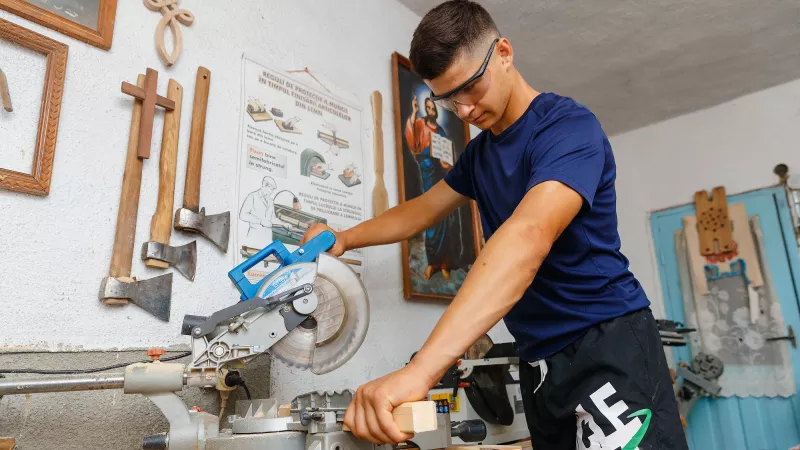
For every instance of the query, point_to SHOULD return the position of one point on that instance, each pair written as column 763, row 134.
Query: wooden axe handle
column 121, row 257
column 191, row 193
column 161, row 225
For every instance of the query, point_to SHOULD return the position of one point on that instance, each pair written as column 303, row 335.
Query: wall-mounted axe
column 191, row 218
column 158, row 253
column 152, row 295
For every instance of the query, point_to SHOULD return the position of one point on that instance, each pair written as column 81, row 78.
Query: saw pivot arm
column 269, row 303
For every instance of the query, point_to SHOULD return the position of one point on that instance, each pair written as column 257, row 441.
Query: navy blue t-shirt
column 584, row 279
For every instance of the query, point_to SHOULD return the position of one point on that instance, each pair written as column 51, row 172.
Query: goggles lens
column 469, row 94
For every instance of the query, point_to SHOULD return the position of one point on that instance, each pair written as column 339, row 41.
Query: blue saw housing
column 306, row 253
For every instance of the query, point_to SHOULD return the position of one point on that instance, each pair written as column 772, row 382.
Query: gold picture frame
column 92, row 21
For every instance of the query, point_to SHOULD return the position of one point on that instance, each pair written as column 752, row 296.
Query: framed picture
column 90, row 21
column 429, row 140
column 32, row 69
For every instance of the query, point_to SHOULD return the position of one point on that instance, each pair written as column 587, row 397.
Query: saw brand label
column 280, row 281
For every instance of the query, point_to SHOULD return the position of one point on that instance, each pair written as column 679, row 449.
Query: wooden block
column 7, row 443
column 259, row 117
column 285, row 410
column 416, row 417
column 413, row 417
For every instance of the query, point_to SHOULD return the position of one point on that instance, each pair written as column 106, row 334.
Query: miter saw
column 312, row 312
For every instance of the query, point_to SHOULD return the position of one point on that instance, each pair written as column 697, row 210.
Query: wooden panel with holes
column 713, row 222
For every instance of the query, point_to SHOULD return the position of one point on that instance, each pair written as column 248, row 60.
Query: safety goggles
column 470, row 91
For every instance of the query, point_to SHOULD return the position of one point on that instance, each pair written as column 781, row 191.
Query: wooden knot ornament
column 172, row 15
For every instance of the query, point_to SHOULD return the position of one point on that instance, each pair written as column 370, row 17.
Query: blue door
column 734, row 423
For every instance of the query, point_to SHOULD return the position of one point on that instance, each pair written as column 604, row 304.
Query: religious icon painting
column 429, row 140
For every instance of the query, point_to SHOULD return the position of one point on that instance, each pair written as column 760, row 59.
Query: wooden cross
column 150, row 99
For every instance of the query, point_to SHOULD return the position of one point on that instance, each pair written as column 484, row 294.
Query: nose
column 463, row 111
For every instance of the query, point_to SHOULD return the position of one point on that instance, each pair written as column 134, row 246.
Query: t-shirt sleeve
column 573, row 153
column 459, row 177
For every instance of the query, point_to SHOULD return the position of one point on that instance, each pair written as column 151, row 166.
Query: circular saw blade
column 341, row 316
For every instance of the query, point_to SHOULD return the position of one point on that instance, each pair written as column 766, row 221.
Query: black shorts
column 609, row 389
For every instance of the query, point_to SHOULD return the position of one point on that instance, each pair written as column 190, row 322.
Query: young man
column 594, row 374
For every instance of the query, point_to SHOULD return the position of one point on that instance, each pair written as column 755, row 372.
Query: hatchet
column 118, row 288
column 158, row 253
column 191, row 218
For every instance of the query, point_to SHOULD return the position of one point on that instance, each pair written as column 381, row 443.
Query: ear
column 505, row 52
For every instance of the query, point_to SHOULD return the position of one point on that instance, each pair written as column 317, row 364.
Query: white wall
column 735, row 144
column 54, row 251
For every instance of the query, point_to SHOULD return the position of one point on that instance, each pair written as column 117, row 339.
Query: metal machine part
column 484, row 391
column 152, row 295
column 673, row 333
column 87, row 383
column 182, row 257
column 698, row 380
column 321, row 411
column 469, row 430
column 215, row 227
column 257, row 416
column 340, row 321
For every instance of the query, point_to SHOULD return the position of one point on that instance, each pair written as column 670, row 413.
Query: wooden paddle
column 380, row 198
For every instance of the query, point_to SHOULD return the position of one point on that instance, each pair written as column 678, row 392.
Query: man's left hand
column 369, row 415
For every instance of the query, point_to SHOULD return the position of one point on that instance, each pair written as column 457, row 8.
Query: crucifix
column 150, row 99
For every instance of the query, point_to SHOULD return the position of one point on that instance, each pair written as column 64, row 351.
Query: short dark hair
column 446, row 31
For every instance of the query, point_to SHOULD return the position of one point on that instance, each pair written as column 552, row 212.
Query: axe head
column 152, row 295
column 183, row 258
column 216, row 228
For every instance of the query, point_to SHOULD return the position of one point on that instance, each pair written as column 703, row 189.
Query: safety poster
column 300, row 162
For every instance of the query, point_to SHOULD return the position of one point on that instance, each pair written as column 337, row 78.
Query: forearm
column 397, row 224
column 496, row 281
column 406, row 219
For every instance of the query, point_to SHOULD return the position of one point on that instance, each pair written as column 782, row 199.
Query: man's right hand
column 339, row 247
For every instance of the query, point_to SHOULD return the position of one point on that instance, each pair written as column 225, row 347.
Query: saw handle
column 307, row 253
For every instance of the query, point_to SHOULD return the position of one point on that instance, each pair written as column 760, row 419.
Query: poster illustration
column 300, row 163
column 429, row 140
